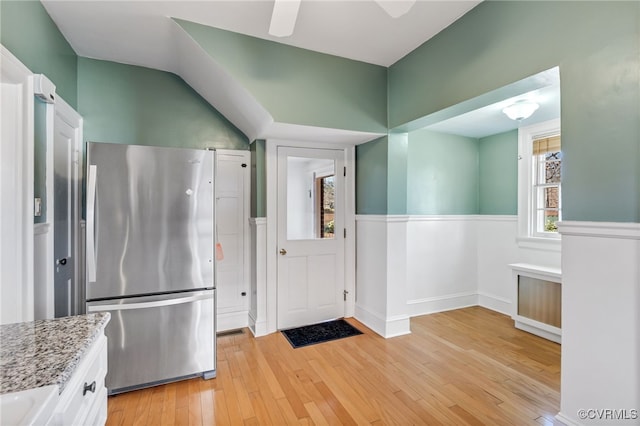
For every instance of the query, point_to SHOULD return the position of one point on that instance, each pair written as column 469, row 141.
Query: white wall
column 600, row 322
column 16, row 190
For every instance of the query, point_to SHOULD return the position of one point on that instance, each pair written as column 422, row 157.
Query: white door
column 311, row 285
column 67, row 296
column 232, row 220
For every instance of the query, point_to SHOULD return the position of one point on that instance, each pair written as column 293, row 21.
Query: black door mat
column 321, row 332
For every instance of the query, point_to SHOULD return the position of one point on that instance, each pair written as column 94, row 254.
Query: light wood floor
column 469, row 366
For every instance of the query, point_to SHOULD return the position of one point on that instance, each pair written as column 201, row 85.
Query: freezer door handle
column 91, row 222
column 154, row 304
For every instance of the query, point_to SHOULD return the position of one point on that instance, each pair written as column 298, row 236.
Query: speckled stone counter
column 45, row 352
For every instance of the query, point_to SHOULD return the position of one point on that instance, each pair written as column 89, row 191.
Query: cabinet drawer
column 76, row 402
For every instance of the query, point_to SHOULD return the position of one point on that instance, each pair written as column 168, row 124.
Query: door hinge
column 345, row 232
column 344, row 294
column 345, row 171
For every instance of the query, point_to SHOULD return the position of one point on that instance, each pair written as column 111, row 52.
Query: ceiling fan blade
column 396, row 8
column 283, row 18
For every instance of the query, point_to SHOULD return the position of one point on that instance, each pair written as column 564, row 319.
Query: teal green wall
column 371, row 177
column 498, row 174
column 596, row 45
column 397, row 192
column 136, row 105
column 29, row 33
column 442, row 174
column 299, row 86
column 258, row 179
column 431, row 173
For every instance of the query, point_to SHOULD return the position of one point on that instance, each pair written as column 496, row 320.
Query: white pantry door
column 68, row 291
column 311, row 245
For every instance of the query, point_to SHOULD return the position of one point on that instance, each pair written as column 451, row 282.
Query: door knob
column 283, row 252
column 62, row 261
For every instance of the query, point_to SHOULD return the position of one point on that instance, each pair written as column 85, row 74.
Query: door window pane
column 310, row 198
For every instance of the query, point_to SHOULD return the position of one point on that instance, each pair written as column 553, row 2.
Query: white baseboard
column 543, row 330
column 495, row 303
column 386, row 327
column 257, row 328
column 447, row 302
column 232, row 320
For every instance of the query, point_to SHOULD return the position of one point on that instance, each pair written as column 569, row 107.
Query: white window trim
column 526, row 233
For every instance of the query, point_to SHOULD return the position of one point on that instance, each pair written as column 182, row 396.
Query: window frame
column 528, row 235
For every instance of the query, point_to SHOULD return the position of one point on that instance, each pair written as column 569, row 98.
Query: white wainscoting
column 371, row 272
column 436, row 263
column 232, row 320
column 496, row 249
column 441, row 263
column 600, row 319
column 258, row 308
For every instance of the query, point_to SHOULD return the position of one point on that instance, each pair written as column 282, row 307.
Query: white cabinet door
column 232, row 221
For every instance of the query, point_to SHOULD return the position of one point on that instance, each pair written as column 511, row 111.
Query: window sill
column 538, row 243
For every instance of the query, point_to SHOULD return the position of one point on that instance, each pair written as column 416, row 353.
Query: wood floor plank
column 221, row 413
column 195, row 403
column 169, row 405
column 464, row 367
column 155, row 407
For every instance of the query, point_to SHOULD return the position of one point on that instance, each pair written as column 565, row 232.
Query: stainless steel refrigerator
column 150, row 261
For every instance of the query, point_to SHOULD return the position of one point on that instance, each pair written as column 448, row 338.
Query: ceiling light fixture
column 283, row 17
column 520, row 110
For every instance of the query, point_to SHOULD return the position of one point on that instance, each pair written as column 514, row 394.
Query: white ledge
column 547, row 271
column 629, row 230
column 434, row 218
column 381, row 218
column 539, row 243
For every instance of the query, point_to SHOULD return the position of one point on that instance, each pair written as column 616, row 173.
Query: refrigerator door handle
column 154, row 304
column 92, row 175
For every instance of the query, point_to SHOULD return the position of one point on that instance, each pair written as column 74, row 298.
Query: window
column 325, row 206
column 539, row 185
column 547, row 159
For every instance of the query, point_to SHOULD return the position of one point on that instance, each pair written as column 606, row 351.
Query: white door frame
column 271, row 160
column 16, row 196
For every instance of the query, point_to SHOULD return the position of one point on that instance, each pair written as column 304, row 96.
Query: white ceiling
column 140, row 32
column 490, row 120
column 355, row 29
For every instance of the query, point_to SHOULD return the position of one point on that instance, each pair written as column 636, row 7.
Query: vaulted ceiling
column 146, row 33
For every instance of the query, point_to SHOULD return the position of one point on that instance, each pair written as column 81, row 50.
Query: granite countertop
column 45, row 352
